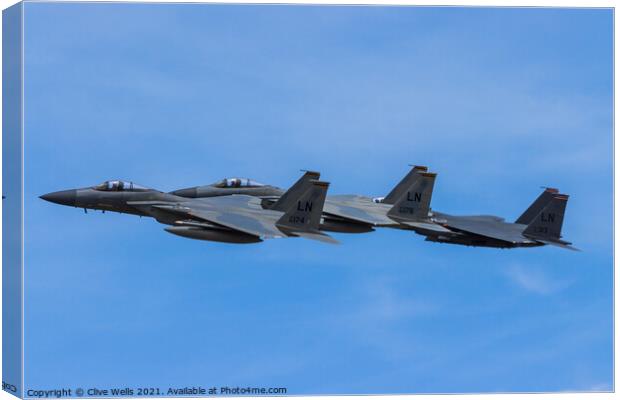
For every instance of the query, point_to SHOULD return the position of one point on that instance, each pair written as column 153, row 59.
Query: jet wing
column 245, row 214
column 493, row 229
column 149, row 202
column 428, row 227
column 486, row 218
column 358, row 209
column 241, row 222
column 239, row 213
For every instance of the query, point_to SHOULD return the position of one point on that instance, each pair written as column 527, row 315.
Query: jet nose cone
column 64, row 197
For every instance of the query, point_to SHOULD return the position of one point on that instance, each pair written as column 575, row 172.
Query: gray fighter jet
column 232, row 219
column 405, row 207
column 539, row 225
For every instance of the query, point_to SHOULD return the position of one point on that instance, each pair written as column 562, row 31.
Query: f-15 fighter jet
column 233, row 219
column 539, row 225
column 405, row 207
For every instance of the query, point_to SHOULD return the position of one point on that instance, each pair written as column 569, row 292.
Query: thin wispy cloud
column 384, row 303
column 533, row 279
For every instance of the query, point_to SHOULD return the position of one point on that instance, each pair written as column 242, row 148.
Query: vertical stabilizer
column 304, row 212
column 548, row 223
column 414, row 203
column 295, row 191
column 404, row 184
column 537, row 206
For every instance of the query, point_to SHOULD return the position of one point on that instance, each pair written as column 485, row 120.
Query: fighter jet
column 539, row 225
column 232, row 219
column 405, row 207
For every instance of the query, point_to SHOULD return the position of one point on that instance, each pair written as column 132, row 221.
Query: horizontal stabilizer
column 562, row 244
column 321, row 237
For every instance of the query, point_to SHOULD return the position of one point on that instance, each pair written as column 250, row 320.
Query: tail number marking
column 541, row 229
column 297, row 220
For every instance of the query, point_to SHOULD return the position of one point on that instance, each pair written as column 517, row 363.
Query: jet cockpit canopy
column 236, row 183
column 120, row 186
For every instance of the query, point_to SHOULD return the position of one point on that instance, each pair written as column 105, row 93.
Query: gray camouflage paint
column 234, row 215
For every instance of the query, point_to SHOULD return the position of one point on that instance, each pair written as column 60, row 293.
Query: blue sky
column 498, row 101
